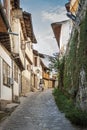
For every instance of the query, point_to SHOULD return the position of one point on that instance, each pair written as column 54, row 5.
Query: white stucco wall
column 4, row 55
column 16, row 89
column 6, row 92
column 15, row 29
column 65, row 35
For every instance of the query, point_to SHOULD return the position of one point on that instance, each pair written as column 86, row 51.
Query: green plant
column 66, row 105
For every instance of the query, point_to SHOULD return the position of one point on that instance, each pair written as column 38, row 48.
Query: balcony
column 45, row 75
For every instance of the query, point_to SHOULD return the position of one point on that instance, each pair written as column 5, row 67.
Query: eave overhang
column 19, row 62
column 28, row 26
column 23, row 29
column 35, row 52
column 28, row 59
column 43, row 65
column 57, row 31
column 57, row 26
column 41, row 55
column 5, row 41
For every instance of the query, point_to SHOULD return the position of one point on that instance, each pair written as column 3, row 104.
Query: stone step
column 10, row 107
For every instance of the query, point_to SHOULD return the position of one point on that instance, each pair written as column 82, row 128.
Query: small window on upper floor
column 35, row 61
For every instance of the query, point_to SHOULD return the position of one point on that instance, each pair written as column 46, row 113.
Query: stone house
column 41, row 71
column 27, row 74
column 47, row 75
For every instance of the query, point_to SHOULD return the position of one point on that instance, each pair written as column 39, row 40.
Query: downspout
column 12, row 81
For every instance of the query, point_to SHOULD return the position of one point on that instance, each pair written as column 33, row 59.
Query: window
column 6, row 74
column 35, row 61
column 28, row 67
column 15, row 73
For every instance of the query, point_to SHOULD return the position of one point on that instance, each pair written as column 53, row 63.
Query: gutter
column 4, row 17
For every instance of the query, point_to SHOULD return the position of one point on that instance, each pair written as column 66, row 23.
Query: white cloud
column 46, row 44
column 55, row 14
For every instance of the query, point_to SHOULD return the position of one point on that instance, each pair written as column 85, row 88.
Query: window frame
column 6, row 74
column 15, row 73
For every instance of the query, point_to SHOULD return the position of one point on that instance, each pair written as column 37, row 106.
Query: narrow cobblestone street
column 38, row 111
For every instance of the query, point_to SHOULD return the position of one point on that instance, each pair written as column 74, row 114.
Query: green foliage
column 61, row 71
column 66, row 105
column 76, row 59
column 54, row 62
column 71, row 72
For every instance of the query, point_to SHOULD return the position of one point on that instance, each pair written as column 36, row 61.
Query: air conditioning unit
column 10, row 81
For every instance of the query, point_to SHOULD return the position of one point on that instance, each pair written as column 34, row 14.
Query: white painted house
column 16, row 54
column 37, row 69
column 13, row 62
column 5, row 60
column 62, row 32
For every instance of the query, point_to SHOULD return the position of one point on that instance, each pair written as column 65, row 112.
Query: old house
column 5, row 60
column 23, row 44
column 72, row 7
column 16, row 55
column 27, row 74
column 47, row 74
column 62, row 32
column 37, row 69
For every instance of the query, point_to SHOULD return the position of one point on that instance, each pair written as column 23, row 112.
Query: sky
column 45, row 12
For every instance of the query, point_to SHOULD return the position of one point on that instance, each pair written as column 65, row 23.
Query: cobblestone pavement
column 38, row 112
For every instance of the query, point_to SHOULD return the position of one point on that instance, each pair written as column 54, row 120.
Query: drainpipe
column 12, row 81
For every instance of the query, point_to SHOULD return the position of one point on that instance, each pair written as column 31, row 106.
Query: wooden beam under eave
column 5, row 41
column 2, row 25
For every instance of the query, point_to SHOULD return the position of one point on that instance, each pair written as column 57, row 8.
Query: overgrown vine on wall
column 61, row 72
column 76, row 59
column 71, row 72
